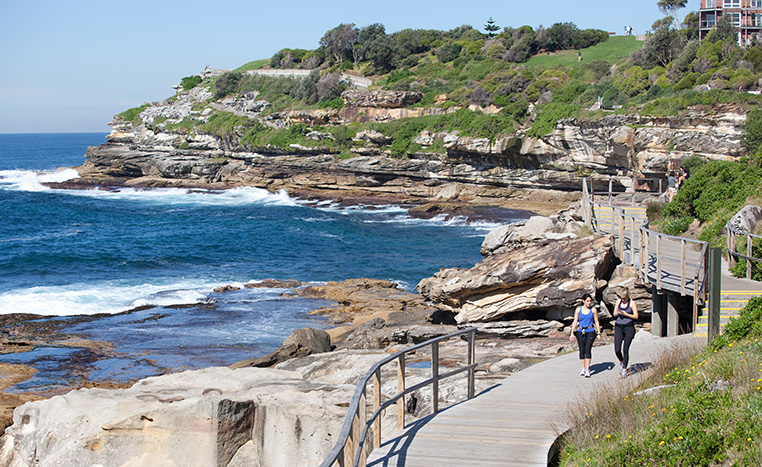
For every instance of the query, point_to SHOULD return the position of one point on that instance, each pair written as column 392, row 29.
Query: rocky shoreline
column 371, row 319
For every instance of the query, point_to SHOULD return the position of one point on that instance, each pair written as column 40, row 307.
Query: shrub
column 448, row 52
column 676, row 226
column 227, row 84
column 549, row 116
column 739, row 269
column 752, row 131
column 133, row 114
column 190, row 82
column 747, row 324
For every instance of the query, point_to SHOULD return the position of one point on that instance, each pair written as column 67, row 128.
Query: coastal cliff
column 158, row 152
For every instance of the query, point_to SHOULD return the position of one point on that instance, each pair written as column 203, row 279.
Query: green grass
column 614, row 50
column 253, row 65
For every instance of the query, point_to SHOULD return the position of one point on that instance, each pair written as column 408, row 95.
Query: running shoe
column 587, row 373
column 582, row 372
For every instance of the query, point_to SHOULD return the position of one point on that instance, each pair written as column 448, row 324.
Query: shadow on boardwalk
column 516, row 422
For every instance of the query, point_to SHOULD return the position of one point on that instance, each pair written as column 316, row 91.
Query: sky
column 70, row 66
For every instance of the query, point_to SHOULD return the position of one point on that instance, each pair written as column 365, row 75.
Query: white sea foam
column 27, row 180
column 184, row 196
column 106, row 297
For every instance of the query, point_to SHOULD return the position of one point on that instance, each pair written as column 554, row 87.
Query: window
column 710, row 20
column 756, row 3
column 735, row 19
column 732, row 4
column 757, row 19
column 711, row 3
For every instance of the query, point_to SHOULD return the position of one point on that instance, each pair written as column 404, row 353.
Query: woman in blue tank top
column 586, row 328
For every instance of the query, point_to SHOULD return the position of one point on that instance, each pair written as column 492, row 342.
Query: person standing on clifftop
column 586, row 328
column 626, row 312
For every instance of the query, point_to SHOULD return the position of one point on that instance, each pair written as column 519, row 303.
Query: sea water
column 67, row 253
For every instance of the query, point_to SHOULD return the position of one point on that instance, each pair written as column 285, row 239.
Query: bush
column 227, row 84
column 190, row 82
column 549, row 116
column 448, row 52
column 717, row 187
column 747, row 324
column 676, row 226
column 739, row 269
column 752, row 131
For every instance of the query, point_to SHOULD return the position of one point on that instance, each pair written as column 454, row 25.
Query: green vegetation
column 133, row 114
column 708, row 413
column 253, row 65
column 189, row 82
column 613, row 51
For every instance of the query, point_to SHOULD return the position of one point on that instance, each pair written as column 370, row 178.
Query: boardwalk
column 516, row 422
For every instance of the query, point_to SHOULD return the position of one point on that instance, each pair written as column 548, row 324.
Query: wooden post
column 748, row 253
column 644, row 257
column 435, row 377
column 471, row 359
column 682, row 266
column 376, row 405
column 632, row 241
column 731, row 248
column 621, row 232
column 349, row 450
column 401, row 388
column 611, row 182
column 715, row 288
column 658, row 261
column 361, row 420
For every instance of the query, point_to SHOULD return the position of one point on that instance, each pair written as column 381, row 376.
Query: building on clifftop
column 745, row 15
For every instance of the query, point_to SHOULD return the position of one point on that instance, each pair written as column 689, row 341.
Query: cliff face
column 614, row 146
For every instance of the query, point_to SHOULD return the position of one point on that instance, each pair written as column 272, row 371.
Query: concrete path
column 516, row 422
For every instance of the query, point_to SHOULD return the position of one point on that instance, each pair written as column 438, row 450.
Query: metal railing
column 733, row 254
column 351, row 448
column 619, row 223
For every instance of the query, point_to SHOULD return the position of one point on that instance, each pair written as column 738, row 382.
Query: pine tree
column 491, row 27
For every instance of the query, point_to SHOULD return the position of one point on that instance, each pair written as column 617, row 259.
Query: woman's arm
column 574, row 324
column 634, row 307
column 616, row 307
column 595, row 319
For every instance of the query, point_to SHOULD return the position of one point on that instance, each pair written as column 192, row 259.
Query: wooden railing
column 646, row 237
column 733, row 254
column 351, row 448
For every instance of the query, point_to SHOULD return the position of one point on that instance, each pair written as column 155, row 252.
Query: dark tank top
column 623, row 320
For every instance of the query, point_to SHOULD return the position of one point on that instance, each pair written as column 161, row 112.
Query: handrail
column 618, row 224
column 350, row 448
column 732, row 254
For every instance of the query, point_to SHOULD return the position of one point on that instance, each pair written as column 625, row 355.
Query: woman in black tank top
column 626, row 312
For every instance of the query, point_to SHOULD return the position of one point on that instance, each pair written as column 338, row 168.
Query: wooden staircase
column 731, row 304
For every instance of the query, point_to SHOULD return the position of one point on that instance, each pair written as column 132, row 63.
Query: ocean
column 98, row 253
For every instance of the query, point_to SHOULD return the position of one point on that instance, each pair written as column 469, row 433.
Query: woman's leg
column 618, row 338
column 581, row 344
column 589, row 340
column 629, row 334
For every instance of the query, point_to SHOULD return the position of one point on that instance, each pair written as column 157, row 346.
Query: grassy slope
column 254, row 65
column 614, row 50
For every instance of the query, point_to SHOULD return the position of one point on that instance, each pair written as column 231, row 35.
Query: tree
column 670, row 7
column 339, row 40
column 491, row 27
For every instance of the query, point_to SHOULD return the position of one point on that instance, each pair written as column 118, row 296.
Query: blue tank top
column 586, row 322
